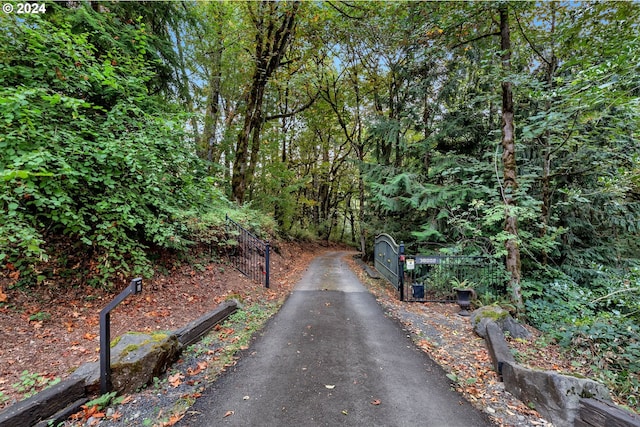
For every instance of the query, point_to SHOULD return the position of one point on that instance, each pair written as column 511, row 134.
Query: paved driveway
column 331, row 357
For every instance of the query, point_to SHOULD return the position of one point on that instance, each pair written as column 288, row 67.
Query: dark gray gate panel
column 387, row 258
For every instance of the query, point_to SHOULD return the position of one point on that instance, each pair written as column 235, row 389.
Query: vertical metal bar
column 244, row 252
column 267, row 251
column 247, row 255
column 105, row 334
column 105, row 352
column 401, row 270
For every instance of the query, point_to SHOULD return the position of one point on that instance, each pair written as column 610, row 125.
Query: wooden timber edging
column 56, row 403
column 596, row 413
column 195, row 330
column 41, row 406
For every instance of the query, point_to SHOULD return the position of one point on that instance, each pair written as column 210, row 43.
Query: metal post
column 401, row 270
column 135, row 287
column 266, row 261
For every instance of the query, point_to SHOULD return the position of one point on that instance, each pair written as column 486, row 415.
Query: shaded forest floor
column 46, row 334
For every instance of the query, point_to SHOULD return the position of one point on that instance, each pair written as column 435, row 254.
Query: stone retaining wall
column 566, row 401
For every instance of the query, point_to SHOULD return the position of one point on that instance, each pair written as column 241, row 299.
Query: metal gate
column 251, row 255
column 388, row 260
column 435, row 277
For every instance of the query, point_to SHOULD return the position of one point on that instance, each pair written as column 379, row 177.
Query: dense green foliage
column 597, row 324
column 122, row 125
column 87, row 152
column 576, row 99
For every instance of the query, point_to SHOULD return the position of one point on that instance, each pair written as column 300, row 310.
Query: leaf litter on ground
column 160, row 404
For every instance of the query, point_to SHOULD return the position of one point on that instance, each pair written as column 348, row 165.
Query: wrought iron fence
column 434, row 277
column 250, row 255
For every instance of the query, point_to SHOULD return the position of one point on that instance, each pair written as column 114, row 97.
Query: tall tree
column 510, row 181
column 274, row 24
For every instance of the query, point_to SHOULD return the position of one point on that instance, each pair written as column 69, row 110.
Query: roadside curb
column 370, row 271
column 195, row 330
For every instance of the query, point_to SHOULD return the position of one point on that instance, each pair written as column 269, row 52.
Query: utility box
column 417, row 291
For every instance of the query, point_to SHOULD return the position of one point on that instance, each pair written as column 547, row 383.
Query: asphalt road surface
column 331, row 357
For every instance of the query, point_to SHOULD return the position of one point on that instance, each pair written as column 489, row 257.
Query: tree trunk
column 274, row 30
column 510, row 183
column 360, row 151
column 212, row 114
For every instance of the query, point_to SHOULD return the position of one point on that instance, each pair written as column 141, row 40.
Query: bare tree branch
column 342, row 12
column 496, row 33
column 296, row 111
column 529, row 41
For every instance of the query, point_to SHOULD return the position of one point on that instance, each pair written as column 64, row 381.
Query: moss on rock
column 138, row 357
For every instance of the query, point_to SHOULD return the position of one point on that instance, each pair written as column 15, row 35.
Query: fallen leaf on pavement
column 330, row 386
column 376, row 402
column 228, row 414
column 199, row 368
column 174, row 419
column 176, row 379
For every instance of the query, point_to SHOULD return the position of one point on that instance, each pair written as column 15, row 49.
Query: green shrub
column 86, row 152
column 598, row 324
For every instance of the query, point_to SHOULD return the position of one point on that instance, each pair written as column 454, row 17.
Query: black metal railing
column 248, row 254
column 135, row 287
column 435, row 277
